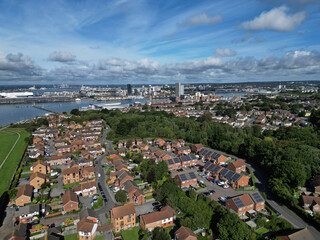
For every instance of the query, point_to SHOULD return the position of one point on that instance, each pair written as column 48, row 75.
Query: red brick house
column 185, row 180
column 63, row 149
column 87, row 173
column 237, row 166
column 159, row 142
column 70, row 201
column 71, row 175
column 182, row 150
column 189, row 160
column 184, row 233
column 173, row 163
column 259, row 202
column 196, row 147
column 161, row 155
column 311, row 203
column 240, row 204
column 163, row 218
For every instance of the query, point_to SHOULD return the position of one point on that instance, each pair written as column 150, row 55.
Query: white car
column 226, row 186
column 220, row 183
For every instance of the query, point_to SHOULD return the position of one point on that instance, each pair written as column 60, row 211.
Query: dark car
column 156, row 204
column 180, row 170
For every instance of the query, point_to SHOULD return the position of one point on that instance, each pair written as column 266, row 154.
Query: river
column 12, row 113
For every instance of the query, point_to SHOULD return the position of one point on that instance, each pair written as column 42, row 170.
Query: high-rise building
column 129, row 87
column 179, row 90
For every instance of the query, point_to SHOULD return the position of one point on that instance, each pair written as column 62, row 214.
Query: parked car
column 209, row 178
column 220, row 183
column 211, row 191
column 95, row 196
column 156, row 203
column 226, row 186
column 180, row 170
column 202, row 182
column 222, row 199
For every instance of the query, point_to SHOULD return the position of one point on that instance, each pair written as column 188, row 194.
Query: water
column 12, row 113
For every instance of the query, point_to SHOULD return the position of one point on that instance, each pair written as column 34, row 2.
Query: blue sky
column 89, row 42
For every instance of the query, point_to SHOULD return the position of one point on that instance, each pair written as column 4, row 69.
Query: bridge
column 44, row 109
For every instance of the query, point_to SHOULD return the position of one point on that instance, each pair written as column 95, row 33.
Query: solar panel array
column 238, row 202
column 176, row 160
column 192, row 175
column 170, row 162
column 229, row 174
column 236, row 177
column 216, row 169
column 257, row 197
column 211, row 167
column 207, row 164
column 185, row 158
column 224, row 172
column 183, row 177
column 193, row 157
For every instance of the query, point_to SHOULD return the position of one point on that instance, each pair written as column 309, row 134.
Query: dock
column 44, row 109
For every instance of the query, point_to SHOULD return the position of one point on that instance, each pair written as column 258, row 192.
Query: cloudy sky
column 147, row 41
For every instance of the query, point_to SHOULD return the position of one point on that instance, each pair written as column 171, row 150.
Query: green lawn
column 262, row 231
column 8, row 169
column 101, row 237
column 71, row 237
column 132, row 234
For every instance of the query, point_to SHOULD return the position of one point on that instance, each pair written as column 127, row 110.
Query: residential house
column 122, row 177
column 182, row 150
column 196, row 147
column 259, row 202
column 28, row 214
column 159, row 142
column 24, row 195
column 311, row 203
column 240, row 204
column 71, row 175
column 188, row 161
column 63, row 149
column 85, row 189
column 237, row 166
column 236, row 180
column 186, row 180
column 70, row 201
column 161, row 155
column 135, row 195
column 55, row 160
column 87, row 229
column 174, row 163
column 77, row 144
column 37, row 179
column 20, row 233
column 184, row 233
column 163, row 218
column 181, row 142
column 295, row 234
column 123, row 217
column 87, row 173
column 41, row 167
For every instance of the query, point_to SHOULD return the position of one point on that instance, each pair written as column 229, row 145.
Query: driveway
column 144, row 208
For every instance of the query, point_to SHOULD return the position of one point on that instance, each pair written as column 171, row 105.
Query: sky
column 147, row 41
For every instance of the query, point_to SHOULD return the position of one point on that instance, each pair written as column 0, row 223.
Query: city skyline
column 143, row 42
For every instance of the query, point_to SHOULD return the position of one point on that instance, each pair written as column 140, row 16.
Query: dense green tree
column 160, row 234
column 121, row 196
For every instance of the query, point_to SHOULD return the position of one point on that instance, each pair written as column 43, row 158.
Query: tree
column 160, row 234
column 230, row 227
column 45, row 185
column 75, row 111
column 121, row 196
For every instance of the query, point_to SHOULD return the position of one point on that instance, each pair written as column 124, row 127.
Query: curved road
column 263, row 186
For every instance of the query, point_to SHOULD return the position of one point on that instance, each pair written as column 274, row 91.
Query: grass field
column 8, row 137
column 132, row 234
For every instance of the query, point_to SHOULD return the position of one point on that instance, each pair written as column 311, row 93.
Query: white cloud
column 63, row 57
column 276, row 19
column 202, row 19
column 224, row 52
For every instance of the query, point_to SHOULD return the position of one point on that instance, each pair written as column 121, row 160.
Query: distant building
column 129, row 87
column 179, row 90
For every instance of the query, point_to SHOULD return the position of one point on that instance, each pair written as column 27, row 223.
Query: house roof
column 69, row 196
column 37, row 174
column 238, row 163
column 88, row 169
column 85, row 225
column 27, row 209
column 25, row 190
column 122, row 211
column 242, row 200
column 310, row 200
column 164, row 213
column 296, row 234
column 184, row 233
column 73, row 169
column 39, row 162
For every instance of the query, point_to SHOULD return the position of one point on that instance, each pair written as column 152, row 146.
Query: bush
column 121, row 196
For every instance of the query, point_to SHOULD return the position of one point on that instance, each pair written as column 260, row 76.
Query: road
column 99, row 171
column 262, row 185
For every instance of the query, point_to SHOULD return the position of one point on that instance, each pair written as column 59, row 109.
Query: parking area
column 144, row 208
column 210, row 186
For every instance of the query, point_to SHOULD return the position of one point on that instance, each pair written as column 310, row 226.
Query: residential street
column 263, row 186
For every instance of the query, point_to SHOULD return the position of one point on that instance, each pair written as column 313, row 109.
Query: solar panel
column 216, row 169
column 238, row 202
column 214, row 155
column 211, row 167
column 193, row 157
column 201, row 151
column 170, row 161
column 236, row 177
column 183, row 177
column 229, row 174
column 207, row 164
column 257, row 197
column 176, row 160
column 192, row 175
column 205, row 152
column 224, row 171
